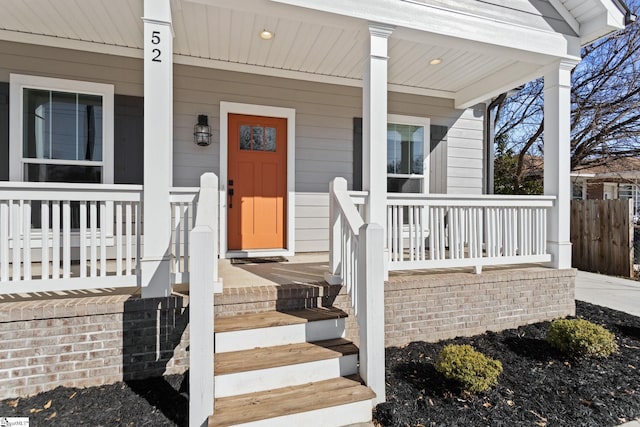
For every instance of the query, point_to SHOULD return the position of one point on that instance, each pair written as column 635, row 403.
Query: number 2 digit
column 155, row 39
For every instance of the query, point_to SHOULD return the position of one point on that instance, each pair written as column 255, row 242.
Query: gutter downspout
column 629, row 17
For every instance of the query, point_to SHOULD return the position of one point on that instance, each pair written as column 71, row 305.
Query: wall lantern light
column 202, row 131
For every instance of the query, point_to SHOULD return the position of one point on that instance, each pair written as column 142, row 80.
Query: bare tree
column 605, row 113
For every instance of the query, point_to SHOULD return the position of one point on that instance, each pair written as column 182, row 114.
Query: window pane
column 258, row 138
column 89, row 127
column 62, row 125
column 417, row 150
column 245, row 137
column 35, row 124
column 62, row 173
column 394, row 152
column 270, row 139
column 404, row 185
column 405, row 149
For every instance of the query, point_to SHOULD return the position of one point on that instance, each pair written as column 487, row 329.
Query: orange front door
column 257, row 186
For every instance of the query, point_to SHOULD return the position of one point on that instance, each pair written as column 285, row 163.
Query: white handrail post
column 332, row 277
column 371, row 308
column 207, row 215
column 201, row 384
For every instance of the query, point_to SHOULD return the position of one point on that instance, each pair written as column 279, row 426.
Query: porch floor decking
column 306, row 269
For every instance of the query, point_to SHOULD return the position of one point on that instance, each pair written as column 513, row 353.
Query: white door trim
column 227, row 108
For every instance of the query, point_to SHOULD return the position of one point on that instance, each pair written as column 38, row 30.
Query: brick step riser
column 279, row 335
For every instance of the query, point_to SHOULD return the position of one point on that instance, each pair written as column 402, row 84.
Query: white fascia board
column 609, row 20
column 411, row 14
column 600, row 27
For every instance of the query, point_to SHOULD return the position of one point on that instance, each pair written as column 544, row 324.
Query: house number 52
column 155, row 39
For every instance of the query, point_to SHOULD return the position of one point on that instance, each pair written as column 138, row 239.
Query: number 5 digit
column 155, row 37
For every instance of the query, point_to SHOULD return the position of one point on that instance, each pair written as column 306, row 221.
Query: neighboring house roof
column 484, row 47
column 621, row 168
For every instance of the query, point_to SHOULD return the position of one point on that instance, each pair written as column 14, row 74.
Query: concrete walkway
column 613, row 292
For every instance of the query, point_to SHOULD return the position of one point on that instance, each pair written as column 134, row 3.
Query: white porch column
column 374, row 125
column 158, row 147
column 557, row 180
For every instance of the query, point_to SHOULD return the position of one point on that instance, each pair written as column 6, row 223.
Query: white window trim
column 17, row 82
column 227, row 108
column 424, row 122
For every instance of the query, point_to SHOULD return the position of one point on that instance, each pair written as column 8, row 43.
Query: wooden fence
column 602, row 236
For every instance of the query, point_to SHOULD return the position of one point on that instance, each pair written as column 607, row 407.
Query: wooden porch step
column 280, row 405
column 270, row 319
column 284, row 355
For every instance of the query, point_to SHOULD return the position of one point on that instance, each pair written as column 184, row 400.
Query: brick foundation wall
column 88, row 341
column 81, row 342
column 440, row 306
column 433, row 307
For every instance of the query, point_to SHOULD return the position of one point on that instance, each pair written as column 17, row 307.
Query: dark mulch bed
column 538, row 387
column 152, row 402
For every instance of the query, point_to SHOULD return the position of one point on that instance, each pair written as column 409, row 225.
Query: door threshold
column 254, row 253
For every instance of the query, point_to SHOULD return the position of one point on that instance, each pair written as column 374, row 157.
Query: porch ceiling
column 308, row 44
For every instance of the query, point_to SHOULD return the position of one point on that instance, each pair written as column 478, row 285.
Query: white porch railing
column 443, row 230
column 183, row 203
column 58, row 236
column 357, row 261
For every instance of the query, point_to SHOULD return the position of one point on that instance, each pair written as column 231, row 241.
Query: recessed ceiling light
column 435, row 61
column 266, row 35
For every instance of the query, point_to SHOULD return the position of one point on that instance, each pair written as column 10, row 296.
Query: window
column 577, row 190
column 407, row 154
column 60, row 130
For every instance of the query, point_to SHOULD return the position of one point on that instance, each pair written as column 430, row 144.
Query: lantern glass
column 201, row 131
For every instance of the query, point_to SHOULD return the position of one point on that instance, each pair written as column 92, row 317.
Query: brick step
column 261, row 298
column 333, row 402
column 274, row 328
column 261, row 369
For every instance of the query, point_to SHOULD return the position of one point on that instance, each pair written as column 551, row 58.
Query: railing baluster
column 26, row 225
column 17, row 238
column 128, row 237
column 138, row 233
column 4, row 240
column 187, row 229
column 118, row 232
column 66, row 239
column 452, row 232
column 412, row 235
column 44, row 228
column 103, row 237
column 83, row 239
column 177, row 237
column 55, row 247
column 93, row 246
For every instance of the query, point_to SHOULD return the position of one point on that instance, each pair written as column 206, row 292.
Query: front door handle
column 230, row 192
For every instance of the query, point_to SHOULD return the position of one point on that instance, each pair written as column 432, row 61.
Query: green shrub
column 581, row 338
column 472, row 369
